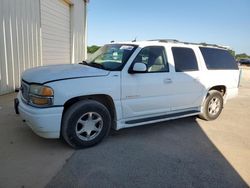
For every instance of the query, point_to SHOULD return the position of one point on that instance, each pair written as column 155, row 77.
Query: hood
column 60, row 72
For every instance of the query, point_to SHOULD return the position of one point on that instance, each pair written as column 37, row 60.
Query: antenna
column 134, row 39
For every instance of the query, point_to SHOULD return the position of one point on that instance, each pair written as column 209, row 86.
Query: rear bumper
column 45, row 122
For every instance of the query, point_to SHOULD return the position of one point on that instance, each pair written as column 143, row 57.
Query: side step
column 163, row 117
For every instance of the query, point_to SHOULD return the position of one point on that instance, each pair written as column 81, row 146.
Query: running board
column 163, row 117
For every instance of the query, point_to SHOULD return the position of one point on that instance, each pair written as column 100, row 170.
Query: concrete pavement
column 26, row 160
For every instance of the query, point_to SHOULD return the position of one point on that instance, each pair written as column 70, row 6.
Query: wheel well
column 220, row 88
column 104, row 99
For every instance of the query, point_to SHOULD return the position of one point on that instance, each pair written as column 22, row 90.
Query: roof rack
column 165, row 40
column 192, row 43
column 213, row 45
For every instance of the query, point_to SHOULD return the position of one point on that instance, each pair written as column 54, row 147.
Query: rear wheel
column 212, row 106
column 85, row 123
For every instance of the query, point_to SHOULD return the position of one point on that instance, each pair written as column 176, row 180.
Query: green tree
column 232, row 52
column 242, row 56
column 92, row 49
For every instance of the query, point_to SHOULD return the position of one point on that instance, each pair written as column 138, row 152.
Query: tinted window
column 154, row 57
column 218, row 59
column 184, row 59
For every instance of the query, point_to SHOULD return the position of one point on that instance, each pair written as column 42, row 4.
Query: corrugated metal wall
column 79, row 31
column 19, row 40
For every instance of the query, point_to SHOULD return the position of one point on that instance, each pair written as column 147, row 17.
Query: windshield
column 111, row 56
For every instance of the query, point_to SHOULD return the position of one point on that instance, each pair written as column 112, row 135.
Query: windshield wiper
column 93, row 64
column 84, row 63
column 97, row 65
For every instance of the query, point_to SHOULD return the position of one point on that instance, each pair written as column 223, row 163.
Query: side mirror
column 138, row 68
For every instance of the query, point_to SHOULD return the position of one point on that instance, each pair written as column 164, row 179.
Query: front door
column 146, row 94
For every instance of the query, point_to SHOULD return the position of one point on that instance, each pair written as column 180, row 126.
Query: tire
column 212, row 106
column 85, row 124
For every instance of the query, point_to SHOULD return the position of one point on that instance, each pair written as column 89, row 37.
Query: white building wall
column 21, row 40
column 56, row 31
column 79, row 30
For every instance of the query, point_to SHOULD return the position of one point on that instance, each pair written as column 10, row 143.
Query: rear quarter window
column 218, row 59
column 184, row 59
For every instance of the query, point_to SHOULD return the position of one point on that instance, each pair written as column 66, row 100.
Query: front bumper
column 45, row 122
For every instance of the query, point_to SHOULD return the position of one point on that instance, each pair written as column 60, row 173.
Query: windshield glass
column 111, row 56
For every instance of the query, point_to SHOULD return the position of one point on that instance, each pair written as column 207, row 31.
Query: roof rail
column 165, row 40
column 192, row 43
column 205, row 44
column 213, row 45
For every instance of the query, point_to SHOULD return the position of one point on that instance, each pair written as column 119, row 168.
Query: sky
column 224, row 22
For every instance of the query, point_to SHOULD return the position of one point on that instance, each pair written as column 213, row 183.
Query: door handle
column 167, row 81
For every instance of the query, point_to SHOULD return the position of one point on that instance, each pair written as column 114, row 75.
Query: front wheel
column 212, row 106
column 85, row 124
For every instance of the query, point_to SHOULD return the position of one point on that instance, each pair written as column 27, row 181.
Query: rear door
column 187, row 88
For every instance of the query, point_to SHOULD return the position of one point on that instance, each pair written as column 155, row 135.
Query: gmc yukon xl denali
column 124, row 85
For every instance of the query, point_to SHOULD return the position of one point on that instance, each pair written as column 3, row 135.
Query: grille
column 25, row 90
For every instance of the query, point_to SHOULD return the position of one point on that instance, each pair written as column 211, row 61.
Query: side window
column 184, row 59
column 154, row 57
column 218, row 59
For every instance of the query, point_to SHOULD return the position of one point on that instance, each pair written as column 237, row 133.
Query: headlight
column 40, row 95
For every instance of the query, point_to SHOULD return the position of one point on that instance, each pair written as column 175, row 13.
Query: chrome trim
column 25, row 91
column 25, row 95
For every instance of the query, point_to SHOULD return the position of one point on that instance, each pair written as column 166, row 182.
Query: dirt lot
column 186, row 152
column 245, row 76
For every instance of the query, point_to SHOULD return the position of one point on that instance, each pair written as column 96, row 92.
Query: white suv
column 125, row 85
